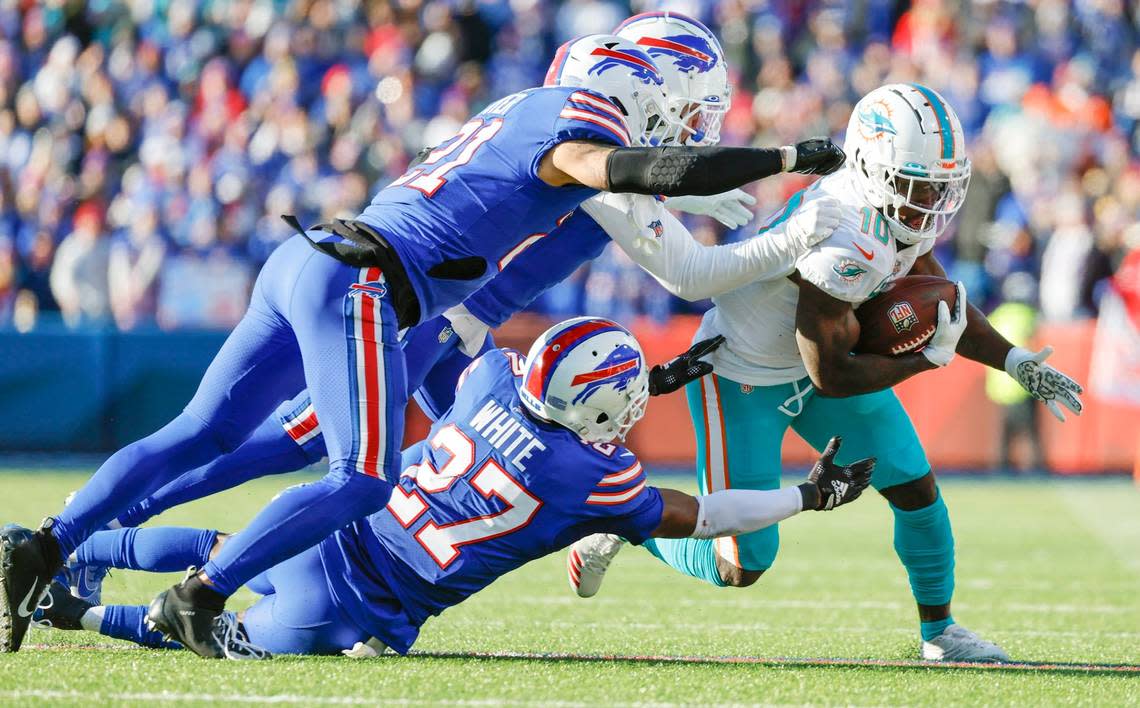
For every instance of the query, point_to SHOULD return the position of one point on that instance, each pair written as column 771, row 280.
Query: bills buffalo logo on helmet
column 902, row 316
column 640, row 62
column 619, row 369
column 688, row 53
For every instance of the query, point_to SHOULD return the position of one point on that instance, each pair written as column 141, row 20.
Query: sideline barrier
column 98, row 390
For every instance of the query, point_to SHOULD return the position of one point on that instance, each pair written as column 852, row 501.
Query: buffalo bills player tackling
column 693, row 67
column 328, row 319
column 526, row 461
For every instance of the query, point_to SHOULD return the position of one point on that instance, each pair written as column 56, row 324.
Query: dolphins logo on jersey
column 619, row 369
column 640, row 62
column 688, row 52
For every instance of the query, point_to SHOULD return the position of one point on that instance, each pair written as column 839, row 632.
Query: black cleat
column 175, row 613
column 28, row 560
column 60, row 609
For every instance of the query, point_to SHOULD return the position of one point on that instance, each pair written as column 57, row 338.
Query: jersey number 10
column 443, row 542
column 428, row 176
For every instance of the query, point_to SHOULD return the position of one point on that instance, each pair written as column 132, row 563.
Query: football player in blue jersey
column 526, row 461
column 436, row 351
column 327, row 318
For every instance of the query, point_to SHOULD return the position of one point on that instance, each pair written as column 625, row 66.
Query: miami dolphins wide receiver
column 787, row 362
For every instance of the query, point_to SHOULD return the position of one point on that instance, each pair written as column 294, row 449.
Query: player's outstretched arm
column 693, row 271
column 826, row 332
column 731, row 512
column 679, row 170
column 982, row 343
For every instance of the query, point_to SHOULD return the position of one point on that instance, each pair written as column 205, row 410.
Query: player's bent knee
column 735, row 576
column 915, row 494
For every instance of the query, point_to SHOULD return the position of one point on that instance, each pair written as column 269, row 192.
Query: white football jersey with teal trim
column 758, row 320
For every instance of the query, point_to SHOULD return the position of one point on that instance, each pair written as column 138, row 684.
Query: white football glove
column 1042, row 381
column 645, row 215
column 471, row 330
column 813, row 222
column 729, row 208
column 940, row 350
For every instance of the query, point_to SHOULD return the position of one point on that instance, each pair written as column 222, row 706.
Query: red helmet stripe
column 673, row 47
column 605, row 373
column 623, row 56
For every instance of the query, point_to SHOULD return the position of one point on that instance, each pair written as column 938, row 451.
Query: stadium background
column 148, row 147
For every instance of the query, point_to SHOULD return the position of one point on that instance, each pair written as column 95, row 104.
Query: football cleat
column 235, row 643
column 588, row 560
column 957, row 643
column 86, row 581
column 174, row 614
column 59, row 609
column 28, row 560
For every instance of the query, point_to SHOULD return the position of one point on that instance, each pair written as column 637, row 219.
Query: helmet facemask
column 698, row 121
column 918, row 203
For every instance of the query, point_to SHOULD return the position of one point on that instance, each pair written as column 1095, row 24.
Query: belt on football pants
column 365, row 247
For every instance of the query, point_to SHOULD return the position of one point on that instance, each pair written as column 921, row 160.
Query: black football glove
column 818, row 156
column 672, row 375
column 831, row 485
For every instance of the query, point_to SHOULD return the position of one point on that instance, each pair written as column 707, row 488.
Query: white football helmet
column 618, row 70
column 908, row 151
column 692, row 63
column 587, row 374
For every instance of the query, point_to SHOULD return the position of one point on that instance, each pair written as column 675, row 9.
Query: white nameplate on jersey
column 506, row 433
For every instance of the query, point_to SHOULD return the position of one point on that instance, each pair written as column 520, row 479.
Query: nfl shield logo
column 902, row 316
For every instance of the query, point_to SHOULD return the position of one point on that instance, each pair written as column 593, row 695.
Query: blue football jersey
column 549, row 261
column 490, row 490
column 476, row 201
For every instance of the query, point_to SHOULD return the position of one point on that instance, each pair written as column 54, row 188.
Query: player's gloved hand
column 673, row 374
column 941, row 347
column 471, row 330
column 815, row 156
column 1042, row 381
column 645, row 214
column 729, row 208
column 830, row 485
column 813, row 222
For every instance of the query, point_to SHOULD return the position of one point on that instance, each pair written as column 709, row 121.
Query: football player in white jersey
column 788, row 362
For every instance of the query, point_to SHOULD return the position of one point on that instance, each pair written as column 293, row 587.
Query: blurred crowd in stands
column 148, row 147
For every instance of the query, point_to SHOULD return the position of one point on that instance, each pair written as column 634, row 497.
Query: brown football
column 902, row 318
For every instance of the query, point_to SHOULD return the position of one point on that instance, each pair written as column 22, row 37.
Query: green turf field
column 1050, row 570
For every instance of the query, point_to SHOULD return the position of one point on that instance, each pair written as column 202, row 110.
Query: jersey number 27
column 428, row 176
column 442, row 542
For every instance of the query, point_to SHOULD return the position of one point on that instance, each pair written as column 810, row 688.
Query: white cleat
column 957, row 643
column 587, row 561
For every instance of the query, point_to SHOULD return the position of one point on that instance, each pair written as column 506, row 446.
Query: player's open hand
column 832, row 485
column 729, row 208
column 673, row 374
column 813, row 222
column 816, row 156
column 1043, row 382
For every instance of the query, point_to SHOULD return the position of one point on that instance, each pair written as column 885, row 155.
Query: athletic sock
column 131, row 474
column 129, row 622
column 299, row 518
column 164, row 549
column 930, row 630
column 924, row 543
column 269, row 450
column 691, row 556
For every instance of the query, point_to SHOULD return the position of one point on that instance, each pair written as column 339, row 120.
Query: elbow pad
column 677, row 171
